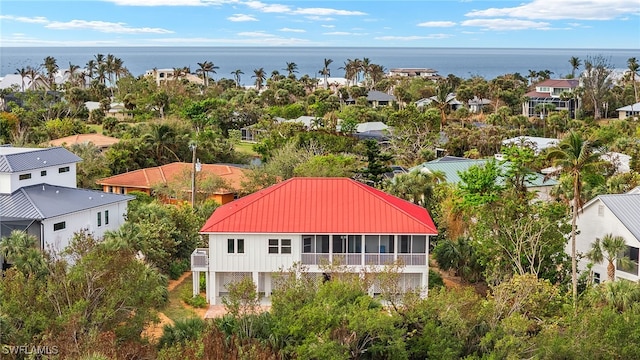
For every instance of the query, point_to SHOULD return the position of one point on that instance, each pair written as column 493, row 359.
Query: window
column 63, row 169
column 273, row 246
column 285, row 246
column 596, row 278
column 59, row 226
column 43, row 173
column 379, row 244
column 25, row 176
column 413, row 244
column 632, row 254
column 110, row 189
column 121, row 190
column 600, row 210
column 99, row 218
column 106, row 217
column 235, row 246
column 279, row 246
column 315, row 244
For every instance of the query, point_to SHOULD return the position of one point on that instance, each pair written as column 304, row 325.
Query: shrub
column 435, row 279
column 181, row 332
column 177, row 268
column 197, row 301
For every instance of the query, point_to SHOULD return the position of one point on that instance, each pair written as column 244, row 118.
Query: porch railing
column 200, row 259
column 363, row 259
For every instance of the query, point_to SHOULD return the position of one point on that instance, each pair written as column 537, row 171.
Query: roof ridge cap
column 377, row 195
column 26, row 195
column 262, row 193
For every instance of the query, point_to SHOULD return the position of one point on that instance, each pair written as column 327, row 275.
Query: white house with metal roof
column 38, row 194
column 616, row 214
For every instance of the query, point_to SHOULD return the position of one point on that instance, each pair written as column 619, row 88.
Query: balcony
column 200, row 259
column 363, row 259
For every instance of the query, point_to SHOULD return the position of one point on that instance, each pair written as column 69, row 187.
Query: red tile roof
column 150, row 177
column 320, row 205
column 98, row 140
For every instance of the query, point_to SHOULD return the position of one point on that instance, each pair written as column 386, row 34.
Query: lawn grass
column 96, row 127
column 176, row 309
column 245, row 148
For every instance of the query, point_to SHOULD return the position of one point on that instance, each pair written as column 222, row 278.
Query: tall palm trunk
column 574, row 261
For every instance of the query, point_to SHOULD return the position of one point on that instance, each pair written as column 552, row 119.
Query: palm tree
column 33, row 74
column 575, row 156
column 20, row 249
column 326, row 72
column 443, row 99
column 575, row 64
column 609, row 248
column 291, row 69
column 206, row 68
column 260, row 76
column 162, row 138
column 236, row 76
column 634, row 67
column 23, row 74
column 52, row 67
column 416, row 186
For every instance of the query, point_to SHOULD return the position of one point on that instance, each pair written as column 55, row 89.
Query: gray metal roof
column 45, row 201
column 452, row 167
column 14, row 159
column 626, row 207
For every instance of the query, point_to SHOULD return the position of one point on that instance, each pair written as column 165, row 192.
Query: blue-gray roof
column 13, row 159
column 45, row 201
column 626, row 207
column 453, row 166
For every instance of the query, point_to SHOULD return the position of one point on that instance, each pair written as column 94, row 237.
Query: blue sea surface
column 463, row 62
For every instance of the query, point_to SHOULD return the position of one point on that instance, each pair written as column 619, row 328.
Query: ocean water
column 462, row 62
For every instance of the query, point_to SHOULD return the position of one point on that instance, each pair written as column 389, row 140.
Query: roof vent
column 42, row 187
column 90, row 198
column 57, row 191
column 44, row 162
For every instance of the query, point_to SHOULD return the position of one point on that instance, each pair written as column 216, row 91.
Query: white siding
column 256, row 255
column 11, row 182
column 595, row 222
column 88, row 219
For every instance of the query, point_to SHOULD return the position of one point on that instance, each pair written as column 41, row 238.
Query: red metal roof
column 320, row 205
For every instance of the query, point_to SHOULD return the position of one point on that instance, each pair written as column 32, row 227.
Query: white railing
column 363, row 259
column 200, row 259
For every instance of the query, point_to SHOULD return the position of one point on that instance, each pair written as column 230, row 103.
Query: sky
column 589, row 24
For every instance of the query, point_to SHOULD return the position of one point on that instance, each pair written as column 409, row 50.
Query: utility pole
column 193, row 148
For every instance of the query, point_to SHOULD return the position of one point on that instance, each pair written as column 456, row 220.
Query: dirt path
column 154, row 331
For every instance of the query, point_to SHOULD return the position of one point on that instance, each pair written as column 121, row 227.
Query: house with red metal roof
column 556, row 92
column 312, row 222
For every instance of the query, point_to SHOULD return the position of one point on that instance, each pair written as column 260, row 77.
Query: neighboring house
column 312, row 222
column 100, row 141
column 629, row 111
column 145, row 180
column 116, row 109
column 452, row 166
column 38, row 194
column 375, row 98
column 538, row 144
column 164, row 75
column 610, row 214
column 415, row 72
column 551, row 91
column 474, row 105
column 621, row 162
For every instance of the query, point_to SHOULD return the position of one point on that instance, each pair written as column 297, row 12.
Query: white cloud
column 343, row 33
column 327, row 26
column 255, row 34
column 246, row 41
column 320, row 18
column 506, row 24
column 105, row 27
column 30, row 20
column 326, row 12
column 564, row 9
column 292, row 30
column 437, row 24
column 413, row 37
column 267, row 8
column 241, row 17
